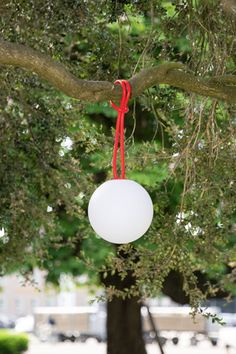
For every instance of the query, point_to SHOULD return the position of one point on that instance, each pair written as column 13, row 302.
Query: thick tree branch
column 174, row 74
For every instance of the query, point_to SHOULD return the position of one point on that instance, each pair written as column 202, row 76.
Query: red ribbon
column 119, row 136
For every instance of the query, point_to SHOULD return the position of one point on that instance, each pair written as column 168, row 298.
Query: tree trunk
column 124, row 321
column 124, row 327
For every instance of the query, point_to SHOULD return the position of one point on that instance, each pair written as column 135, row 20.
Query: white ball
column 120, row 211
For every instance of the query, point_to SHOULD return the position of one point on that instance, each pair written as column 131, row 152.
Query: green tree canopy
column 180, row 137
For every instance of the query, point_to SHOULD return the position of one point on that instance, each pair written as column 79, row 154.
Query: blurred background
column 64, row 318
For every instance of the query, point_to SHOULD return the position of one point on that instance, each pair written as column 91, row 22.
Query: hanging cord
column 119, row 135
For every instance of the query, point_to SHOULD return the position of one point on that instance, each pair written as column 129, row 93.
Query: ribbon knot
column 119, row 135
column 120, row 109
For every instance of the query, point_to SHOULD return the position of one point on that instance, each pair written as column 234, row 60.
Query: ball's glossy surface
column 120, row 211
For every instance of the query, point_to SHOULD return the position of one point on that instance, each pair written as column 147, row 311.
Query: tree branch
column 174, row 74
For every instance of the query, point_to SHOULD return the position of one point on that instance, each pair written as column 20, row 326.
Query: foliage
column 181, row 147
column 13, row 343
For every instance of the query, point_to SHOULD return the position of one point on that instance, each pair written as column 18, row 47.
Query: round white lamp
column 120, row 211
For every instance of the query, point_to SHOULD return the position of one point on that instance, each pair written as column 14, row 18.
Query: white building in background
column 18, row 299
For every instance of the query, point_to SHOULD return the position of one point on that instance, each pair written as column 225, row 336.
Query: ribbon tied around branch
column 119, row 134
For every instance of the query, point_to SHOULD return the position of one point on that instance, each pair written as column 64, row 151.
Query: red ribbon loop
column 119, row 136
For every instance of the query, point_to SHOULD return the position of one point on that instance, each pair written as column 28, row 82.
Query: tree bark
column 124, row 321
column 174, row 74
column 124, row 327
